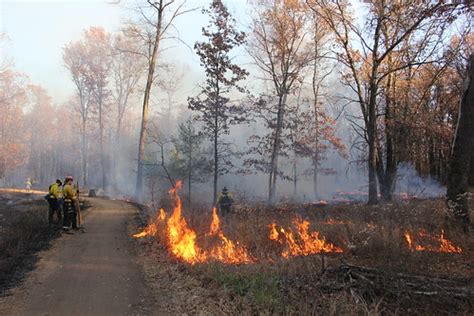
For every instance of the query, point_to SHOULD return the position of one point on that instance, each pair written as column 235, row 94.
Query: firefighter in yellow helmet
column 70, row 212
column 225, row 201
column 55, row 201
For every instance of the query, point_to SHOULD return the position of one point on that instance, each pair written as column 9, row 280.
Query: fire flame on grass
column 182, row 240
column 152, row 228
column 301, row 243
column 445, row 245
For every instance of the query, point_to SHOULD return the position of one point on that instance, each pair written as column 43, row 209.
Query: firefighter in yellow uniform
column 70, row 211
column 225, row 201
column 55, row 201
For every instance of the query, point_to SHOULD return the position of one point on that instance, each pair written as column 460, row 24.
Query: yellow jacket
column 69, row 192
column 55, row 191
column 225, row 199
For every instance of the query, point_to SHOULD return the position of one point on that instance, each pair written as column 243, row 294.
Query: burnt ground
column 376, row 274
column 87, row 273
column 24, row 232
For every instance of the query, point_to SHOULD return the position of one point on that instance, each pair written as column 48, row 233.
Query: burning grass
column 350, row 259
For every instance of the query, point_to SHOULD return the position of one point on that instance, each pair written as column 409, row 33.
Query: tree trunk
column 295, row 179
column 84, row 154
column 471, row 172
column 315, row 87
column 276, row 149
column 146, row 99
column 101, row 140
column 190, row 172
column 462, row 153
column 216, row 163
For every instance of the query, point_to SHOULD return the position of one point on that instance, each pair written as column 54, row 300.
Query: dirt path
column 92, row 273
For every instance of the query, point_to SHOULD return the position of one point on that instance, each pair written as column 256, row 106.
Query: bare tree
column 158, row 17
column 279, row 49
column 127, row 71
column 74, row 56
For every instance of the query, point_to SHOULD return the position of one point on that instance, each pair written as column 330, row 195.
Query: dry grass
column 371, row 237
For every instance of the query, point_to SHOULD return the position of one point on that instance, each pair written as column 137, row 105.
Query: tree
column 188, row 160
column 279, row 50
column 158, row 17
column 127, row 70
column 89, row 62
column 391, row 27
column 43, row 133
column 318, row 131
column 462, row 153
column 99, row 62
column 214, row 108
column 75, row 60
column 13, row 149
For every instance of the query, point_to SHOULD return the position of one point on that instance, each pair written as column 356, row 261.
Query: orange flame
column 303, row 243
column 182, row 239
column 215, row 224
column 152, row 228
column 445, row 245
column 273, row 232
column 228, row 251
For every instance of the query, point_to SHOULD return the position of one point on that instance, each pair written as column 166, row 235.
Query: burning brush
column 301, row 242
column 432, row 243
column 181, row 240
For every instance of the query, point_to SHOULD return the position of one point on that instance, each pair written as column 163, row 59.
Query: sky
column 37, row 31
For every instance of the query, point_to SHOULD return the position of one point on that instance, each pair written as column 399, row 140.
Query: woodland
column 344, row 130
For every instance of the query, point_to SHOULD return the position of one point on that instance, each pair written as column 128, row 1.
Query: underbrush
column 377, row 272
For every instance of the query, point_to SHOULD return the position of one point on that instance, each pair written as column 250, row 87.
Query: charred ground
column 24, row 232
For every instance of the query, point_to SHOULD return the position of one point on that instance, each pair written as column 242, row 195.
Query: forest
column 343, row 129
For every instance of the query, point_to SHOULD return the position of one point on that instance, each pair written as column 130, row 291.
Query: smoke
column 410, row 182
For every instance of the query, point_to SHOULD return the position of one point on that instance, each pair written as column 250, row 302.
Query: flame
column 227, row 251
column 215, row 224
column 273, row 232
column 301, row 243
column 182, row 240
column 445, row 245
column 152, row 228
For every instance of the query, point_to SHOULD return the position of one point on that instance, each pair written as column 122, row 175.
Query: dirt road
column 92, row 273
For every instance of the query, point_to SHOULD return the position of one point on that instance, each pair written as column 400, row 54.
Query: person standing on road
column 70, row 198
column 55, row 201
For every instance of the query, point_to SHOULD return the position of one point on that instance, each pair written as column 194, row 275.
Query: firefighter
column 225, row 201
column 69, row 209
column 28, row 185
column 55, row 201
